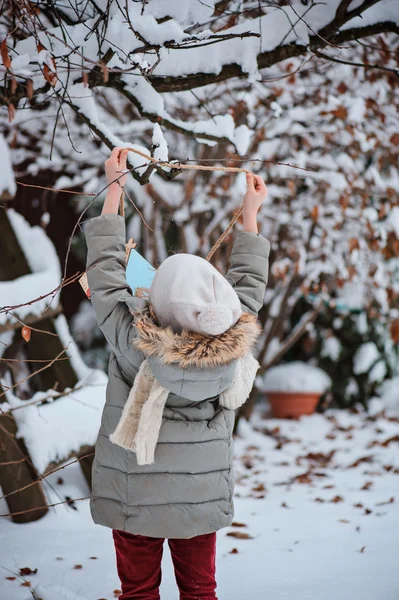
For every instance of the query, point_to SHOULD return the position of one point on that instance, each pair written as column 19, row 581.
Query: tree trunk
column 19, row 472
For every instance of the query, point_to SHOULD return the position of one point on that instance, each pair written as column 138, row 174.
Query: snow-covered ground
column 316, row 519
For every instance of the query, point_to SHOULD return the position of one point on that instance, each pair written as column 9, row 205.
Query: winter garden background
column 303, row 93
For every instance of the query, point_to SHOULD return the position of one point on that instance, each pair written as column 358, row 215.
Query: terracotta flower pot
column 293, row 404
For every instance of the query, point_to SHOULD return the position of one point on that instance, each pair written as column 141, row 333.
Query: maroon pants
column 138, row 560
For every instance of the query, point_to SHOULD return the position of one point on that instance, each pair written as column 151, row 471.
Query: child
column 180, row 364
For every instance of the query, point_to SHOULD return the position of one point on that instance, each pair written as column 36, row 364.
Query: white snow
column 45, row 277
column 54, row 430
column 158, row 140
column 318, row 498
column 7, row 181
column 365, row 357
column 295, row 376
column 331, row 348
column 389, row 392
column 393, row 220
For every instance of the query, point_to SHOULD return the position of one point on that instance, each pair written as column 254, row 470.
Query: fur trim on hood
column 190, row 349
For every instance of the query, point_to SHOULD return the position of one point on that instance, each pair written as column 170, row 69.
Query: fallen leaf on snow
column 237, row 524
column 27, row 571
column 241, row 535
column 363, row 459
column 367, row 485
column 386, row 443
column 259, row 488
column 11, row 578
column 78, row 567
column 233, row 551
column 390, row 501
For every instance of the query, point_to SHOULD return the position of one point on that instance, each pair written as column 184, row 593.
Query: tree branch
column 268, row 59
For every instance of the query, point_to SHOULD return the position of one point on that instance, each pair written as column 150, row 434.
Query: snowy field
column 316, row 518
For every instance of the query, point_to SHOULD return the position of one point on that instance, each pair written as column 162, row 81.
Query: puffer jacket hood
column 194, row 365
column 189, row 349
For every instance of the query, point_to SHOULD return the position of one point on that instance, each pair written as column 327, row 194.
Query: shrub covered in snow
column 295, row 376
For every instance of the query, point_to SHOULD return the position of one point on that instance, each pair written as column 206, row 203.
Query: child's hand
column 256, row 193
column 113, row 165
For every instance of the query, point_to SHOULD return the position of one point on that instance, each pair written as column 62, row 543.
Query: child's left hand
column 256, row 194
column 113, row 165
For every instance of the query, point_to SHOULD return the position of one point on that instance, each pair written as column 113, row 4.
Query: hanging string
column 179, row 165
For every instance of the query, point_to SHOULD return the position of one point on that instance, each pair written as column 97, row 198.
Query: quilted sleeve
column 110, row 293
column 249, row 269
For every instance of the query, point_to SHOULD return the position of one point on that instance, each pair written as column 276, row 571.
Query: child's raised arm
column 111, row 296
column 249, row 263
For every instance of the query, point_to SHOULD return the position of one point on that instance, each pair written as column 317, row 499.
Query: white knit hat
column 188, row 292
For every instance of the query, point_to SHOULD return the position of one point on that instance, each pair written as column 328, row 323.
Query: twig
column 42, row 477
column 34, row 373
column 22, row 512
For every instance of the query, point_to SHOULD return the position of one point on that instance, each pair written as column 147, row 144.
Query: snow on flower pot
column 294, row 389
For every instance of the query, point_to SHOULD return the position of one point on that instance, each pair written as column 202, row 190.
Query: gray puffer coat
column 188, row 490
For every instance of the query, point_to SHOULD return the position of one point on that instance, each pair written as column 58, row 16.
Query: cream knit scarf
column 141, row 419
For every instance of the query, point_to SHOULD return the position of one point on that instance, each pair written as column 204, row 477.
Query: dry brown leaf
column 26, row 584
column 303, row 478
column 233, row 551
column 259, row 488
column 394, row 438
column 340, row 113
column 241, row 535
column 11, row 112
column 11, row 578
column 29, row 88
column 27, row 571
column 367, row 486
column 363, row 459
column 49, row 74
column 394, row 331
column 342, row 88
column 337, row 499
column 5, row 57
column 390, row 501
column 78, row 567
column 26, row 333
column 314, row 214
column 237, row 524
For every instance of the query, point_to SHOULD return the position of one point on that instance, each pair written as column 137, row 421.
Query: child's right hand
column 255, row 195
